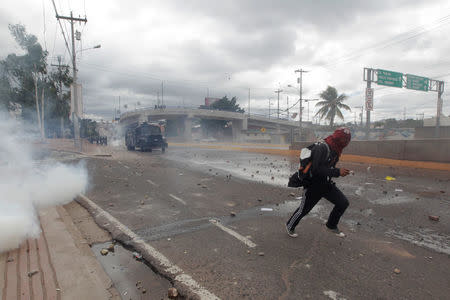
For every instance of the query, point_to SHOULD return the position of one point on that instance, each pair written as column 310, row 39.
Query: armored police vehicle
column 145, row 136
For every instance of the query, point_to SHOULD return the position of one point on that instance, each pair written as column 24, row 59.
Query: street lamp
column 309, row 100
column 95, row 47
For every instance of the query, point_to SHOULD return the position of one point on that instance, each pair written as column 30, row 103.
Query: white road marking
column 241, row 238
column 168, row 266
column 178, row 199
column 151, row 182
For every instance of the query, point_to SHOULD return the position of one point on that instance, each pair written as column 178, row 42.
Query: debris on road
column 266, row 209
column 172, row 293
column 389, row 178
column 111, row 204
column 144, row 291
column 261, row 253
column 233, row 214
column 292, row 194
column 142, row 202
column 433, row 218
column 30, row 274
column 398, row 190
column 137, row 256
column 111, row 248
column 10, row 259
column 104, row 252
column 397, row 271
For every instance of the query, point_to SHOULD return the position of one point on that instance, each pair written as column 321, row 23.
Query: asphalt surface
column 220, row 215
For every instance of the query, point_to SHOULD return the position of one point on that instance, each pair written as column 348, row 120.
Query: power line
column 405, row 36
column 62, row 30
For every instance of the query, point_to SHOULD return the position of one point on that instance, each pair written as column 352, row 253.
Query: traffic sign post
column 396, row 79
column 369, row 99
column 418, row 83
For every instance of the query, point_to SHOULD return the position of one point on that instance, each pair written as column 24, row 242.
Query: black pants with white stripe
column 312, row 195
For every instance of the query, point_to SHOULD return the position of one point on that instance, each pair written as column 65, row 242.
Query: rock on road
column 202, row 210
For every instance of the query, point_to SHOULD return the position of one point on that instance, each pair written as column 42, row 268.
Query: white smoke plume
column 27, row 186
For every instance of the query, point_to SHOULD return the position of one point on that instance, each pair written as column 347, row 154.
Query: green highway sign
column 414, row 82
column 389, row 78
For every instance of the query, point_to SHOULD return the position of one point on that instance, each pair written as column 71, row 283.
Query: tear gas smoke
column 26, row 186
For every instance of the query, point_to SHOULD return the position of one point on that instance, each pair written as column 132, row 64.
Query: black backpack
column 303, row 176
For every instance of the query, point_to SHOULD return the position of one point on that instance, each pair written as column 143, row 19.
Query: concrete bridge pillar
column 188, row 128
column 237, row 127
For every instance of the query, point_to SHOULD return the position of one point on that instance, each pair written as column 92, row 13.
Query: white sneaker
column 291, row 233
column 336, row 231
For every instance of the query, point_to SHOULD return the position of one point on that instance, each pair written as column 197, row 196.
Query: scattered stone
column 245, row 169
column 199, row 183
column 233, row 214
column 272, row 178
column 30, row 274
column 357, row 223
column 111, row 204
column 257, row 172
column 385, row 192
column 172, row 293
column 10, row 259
column 433, row 218
column 137, row 256
column 138, row 283
column 443, row 192
column 261, row 253
column 397, row 271
column 292, row 194
column 111, row 248
column 210, row 170
column 248, row 252
column 144, row 291
column 253, row 175
column 142, row 202
column 104, row 252
column 259, row 199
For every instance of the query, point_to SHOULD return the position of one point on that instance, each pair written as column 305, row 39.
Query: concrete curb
column 184, row 283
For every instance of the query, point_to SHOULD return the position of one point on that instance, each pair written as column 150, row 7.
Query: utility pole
column 249, row 101
column 439, row 109
column 287, row 103
column 370, row 73
column 361, row 114
column 300, row 82
column 278, row 110
column 60, row 90
column 162, row 93
column 75, row 90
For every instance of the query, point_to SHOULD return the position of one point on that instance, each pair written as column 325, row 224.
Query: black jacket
column 323, row 164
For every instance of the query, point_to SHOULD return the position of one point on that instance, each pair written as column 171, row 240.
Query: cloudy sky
column 222, row 48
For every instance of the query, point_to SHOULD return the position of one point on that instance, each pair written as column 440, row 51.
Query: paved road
column 227, row 232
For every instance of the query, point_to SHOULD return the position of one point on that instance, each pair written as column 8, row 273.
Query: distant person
column 324, row 158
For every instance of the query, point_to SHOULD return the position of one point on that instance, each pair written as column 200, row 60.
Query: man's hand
column 344, row 172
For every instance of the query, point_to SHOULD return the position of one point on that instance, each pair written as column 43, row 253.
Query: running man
column 324, row 159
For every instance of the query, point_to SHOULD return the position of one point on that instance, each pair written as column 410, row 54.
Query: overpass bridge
column 277, row 129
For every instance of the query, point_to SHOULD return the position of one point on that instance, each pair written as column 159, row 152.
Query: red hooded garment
column 339, row 139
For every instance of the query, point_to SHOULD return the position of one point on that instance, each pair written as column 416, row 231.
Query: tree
column 331, row 105
column 24, row 80
column 215, row 126
column 225, row 105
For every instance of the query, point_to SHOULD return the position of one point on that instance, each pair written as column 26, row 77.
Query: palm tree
column 331, row 105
